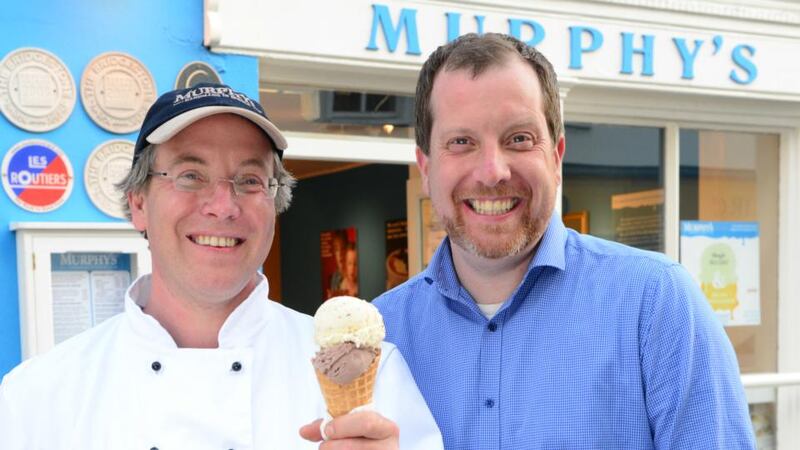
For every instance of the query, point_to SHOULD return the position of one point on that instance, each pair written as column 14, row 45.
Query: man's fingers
column 357, row 444
column 362, row 430
column 310, row 432
column 366, row 424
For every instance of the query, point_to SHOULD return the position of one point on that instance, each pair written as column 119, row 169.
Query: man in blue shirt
column 522, row 334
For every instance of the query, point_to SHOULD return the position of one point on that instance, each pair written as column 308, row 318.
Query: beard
column 499, row 240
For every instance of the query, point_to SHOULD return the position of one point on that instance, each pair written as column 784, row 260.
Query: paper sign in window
column 87, row 289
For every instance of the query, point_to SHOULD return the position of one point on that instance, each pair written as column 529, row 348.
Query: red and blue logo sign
column 37, row 175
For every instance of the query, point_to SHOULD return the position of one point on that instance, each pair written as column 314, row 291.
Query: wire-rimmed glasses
column 196, row 181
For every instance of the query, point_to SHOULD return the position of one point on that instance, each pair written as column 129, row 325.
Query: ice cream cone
column 342, row 398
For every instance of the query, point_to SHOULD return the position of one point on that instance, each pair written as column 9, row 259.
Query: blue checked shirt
column 601, row 346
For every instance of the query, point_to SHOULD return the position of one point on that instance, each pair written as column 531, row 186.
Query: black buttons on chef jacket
column 236, row 366
column 156, row 366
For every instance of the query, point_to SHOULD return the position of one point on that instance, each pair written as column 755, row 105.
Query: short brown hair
column 478, row 53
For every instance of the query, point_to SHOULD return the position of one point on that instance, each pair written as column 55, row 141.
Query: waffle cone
column 342, row 398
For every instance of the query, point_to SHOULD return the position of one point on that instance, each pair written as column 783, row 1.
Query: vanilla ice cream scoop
column 348, row 319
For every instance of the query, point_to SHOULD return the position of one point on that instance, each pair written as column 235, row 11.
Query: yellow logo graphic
column 718, row 277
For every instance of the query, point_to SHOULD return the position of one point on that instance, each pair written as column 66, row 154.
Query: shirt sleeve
column 398, row 399
column 693, row 390
column 10, row 431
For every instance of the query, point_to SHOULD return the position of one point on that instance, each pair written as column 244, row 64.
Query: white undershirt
column 489, row 309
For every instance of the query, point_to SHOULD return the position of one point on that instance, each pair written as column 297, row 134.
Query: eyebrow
column 448, row 133
column 258, row 162
column 524, row 124
column 182, row 159
column 252, row 162
column 458, row 130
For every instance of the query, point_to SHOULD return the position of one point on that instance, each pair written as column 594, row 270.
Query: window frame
column 36, row 242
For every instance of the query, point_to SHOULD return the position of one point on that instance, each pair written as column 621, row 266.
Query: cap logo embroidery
column 206, row 91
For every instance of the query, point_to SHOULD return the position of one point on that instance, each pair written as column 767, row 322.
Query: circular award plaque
column 116, row 91
column 107, row 165
column 37, row 92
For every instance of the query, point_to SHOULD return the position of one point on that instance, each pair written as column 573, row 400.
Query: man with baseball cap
column 201, row 359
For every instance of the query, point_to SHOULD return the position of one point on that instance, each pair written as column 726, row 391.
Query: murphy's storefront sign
column 597, row 45
column 582, row 39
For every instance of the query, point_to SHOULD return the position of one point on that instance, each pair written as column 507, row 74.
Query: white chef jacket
column 125, row 384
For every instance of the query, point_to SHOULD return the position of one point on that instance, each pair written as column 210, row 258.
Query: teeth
column 215, row 241
column 492, row 207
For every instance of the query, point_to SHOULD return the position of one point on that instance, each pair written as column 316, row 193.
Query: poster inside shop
column 723, row 257
column 396, row 252
column 339, row 261
column 87, row 288
column 638, row 219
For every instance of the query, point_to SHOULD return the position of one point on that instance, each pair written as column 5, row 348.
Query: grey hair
column 286, row 182
column 138, row 179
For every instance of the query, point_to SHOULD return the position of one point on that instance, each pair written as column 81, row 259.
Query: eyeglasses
column 195, row 181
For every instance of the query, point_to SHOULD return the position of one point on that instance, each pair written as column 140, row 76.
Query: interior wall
column 603, row 160
column 365, row 198
column 737, row 183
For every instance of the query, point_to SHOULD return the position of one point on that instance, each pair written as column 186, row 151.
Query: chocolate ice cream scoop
column 344, row 362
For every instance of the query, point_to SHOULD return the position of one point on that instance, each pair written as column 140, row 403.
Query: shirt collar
column 549, row 253
column 442, row 272
column 238, row 330
column 552, row 248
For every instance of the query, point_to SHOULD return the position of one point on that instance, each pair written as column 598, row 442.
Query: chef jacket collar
column 238, row 330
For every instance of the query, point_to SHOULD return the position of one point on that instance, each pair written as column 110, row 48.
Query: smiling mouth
column 492, row 207
column 216, row 241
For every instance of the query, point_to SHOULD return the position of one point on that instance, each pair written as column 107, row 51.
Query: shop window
column 314, row 110
column 729, row 235
column 613, row 183
column 762, row 415
column 359, row 108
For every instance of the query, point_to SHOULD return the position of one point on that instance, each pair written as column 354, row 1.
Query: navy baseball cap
column 176, row 110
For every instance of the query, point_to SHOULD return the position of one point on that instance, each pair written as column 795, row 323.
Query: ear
column 422, row 163
column 558, row 157
column 138, row 212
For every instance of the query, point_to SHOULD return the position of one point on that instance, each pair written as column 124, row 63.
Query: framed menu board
column 73, row 276
column 87, row 288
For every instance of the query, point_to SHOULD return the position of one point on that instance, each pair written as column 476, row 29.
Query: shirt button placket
column 490, row 386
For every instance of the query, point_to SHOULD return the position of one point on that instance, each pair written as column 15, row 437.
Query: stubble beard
column 529, row 230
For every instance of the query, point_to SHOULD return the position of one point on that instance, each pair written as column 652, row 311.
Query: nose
column 221, row 200
column 494, row 167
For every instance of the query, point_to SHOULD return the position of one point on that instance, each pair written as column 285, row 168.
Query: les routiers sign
column 37, row 175
column 684, row 49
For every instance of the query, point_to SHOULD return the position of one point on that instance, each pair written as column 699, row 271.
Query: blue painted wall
column 163, row 35
column 365, row 198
